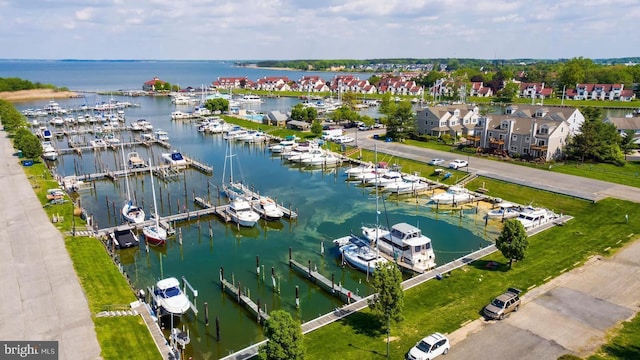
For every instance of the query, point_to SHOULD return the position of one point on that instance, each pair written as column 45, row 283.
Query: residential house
column 232, row 83
column 534, row 91
column 399, row 85
column 478, row 89
column 598, row 92
column 276, row 118
column 528, row 130
column 151, row 84
column 623, row 124
column 520, row 136
column 298, row 125
column 455, row 120
column 273, row 83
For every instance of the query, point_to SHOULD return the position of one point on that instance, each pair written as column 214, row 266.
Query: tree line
column 17, row 84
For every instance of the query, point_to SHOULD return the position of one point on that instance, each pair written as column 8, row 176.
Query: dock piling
column 206, row 313
column 297, row 297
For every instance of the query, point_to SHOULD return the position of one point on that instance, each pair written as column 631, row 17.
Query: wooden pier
column 330, row 286
column 236, row 293
column 288, row 213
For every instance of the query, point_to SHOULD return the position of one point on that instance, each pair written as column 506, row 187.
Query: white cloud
column 276, row 29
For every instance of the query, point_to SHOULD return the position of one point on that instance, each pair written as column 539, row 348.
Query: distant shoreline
column 254, row 66
column 36, row 94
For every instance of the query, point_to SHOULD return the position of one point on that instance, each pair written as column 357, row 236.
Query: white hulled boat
column 407, row 244
column 48, row 151
column 130, row 211
column 532, row 217
column 240, row 212
column 505, row 210
column 170, row 298
column 453, row 195
column 154, row 234
column 267, row 208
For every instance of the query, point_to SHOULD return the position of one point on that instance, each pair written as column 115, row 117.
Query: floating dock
column 346, row 295
column 288, row 213
column 236, row 293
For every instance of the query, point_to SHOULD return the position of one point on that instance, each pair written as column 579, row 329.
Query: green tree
column 31, row 147
column 388, row 301
column 349, row 99
column 508, row 92
column 11, row 118
column 626, row 142
column 316, row 128
column 344, row 113
column 401, row 124
column 298, row 112
column 597, row 140
column 387, row 107
column 285, row 338
column 311, row 114
column 374, row 80
column 217, row 104
column 512, row 241
column 20, row 137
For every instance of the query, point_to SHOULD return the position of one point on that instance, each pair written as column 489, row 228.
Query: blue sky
column 316, row 29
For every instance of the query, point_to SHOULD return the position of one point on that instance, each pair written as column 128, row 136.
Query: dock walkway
column 313, row 275
column 154, row 329
column 244, row 300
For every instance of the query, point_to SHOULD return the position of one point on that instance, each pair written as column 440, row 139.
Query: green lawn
column 103, row 285
column 624, row 345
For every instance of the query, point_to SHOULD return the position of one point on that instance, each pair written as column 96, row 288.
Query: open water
column 328, row 207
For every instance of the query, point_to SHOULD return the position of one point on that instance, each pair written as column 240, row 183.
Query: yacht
column 175, row 159
column 453, row 195
column 407, row 244
column 267, row 208
column 409, row 184
column 249, row 98
column 162, row 135
column 48, row 151
column 532, row 217
column 362, row 256
column 240, row 212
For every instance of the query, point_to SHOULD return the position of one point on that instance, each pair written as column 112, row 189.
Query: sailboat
column 233, row 189
column 130, row 211
column 362, row 252
column 154, row 234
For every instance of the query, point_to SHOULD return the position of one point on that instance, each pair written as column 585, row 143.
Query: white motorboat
column 453, row 195
column 407, row 244
column 360, row 169
column 154, row 234
column 45, row 133
column 505, row 210
column 240, row 212
column 382, row 180
column 179, row 115
column 56, row 121
column 282, row 146
column 130, row 211
column 249, row 98
column 320, row 157
column 161, row 135
column 362, row 256
column 48, row 151
column 134, row 161
column 267, row 208
column 532, row 217
column 98, row 143
column 175, row 159
column 170, row 298
column 409, row 184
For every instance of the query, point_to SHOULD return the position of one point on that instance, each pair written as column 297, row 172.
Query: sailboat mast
column 153, row 191
column 126, row 178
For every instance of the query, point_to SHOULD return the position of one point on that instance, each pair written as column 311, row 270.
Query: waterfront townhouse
column 534, row 90
column 273, row 83
column 535, row 138
column 455, row 120
column 232, row 83
column 536, row 132
column 478, row 89
column 399, row 85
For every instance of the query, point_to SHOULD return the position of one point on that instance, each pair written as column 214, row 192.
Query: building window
column 514, row 138
column 525, row 151
column 490, row 134
column 527, row 139
column 514, row 149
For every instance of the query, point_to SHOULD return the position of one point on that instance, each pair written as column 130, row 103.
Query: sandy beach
column 36, row 94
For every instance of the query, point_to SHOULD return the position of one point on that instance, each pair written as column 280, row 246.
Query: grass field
column 104, row 286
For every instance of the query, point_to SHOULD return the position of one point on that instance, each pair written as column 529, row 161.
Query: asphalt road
column 41, row 296
column 546, row 180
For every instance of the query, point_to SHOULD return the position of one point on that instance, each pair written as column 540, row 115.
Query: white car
column 430, row 347
column 436, row 161
column 457, row 164
column 344, row 139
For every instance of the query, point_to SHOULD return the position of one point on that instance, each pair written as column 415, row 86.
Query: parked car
column 436, row 161
column 457, row 164
column 364, row 128
column 430, row 347
column 343, row 139
column 503, row 304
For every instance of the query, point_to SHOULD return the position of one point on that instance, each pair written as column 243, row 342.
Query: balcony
column 494, row 141
column 539, row 147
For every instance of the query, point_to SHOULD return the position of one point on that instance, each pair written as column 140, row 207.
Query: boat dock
column 346, row 295
column 288, row 213
column 242, row 299
column 157, row 335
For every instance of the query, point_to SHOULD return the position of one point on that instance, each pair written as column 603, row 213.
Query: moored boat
column 407, row 244
column 453, row 195
column 154, row 234
column 240, row 212
column 170, row 298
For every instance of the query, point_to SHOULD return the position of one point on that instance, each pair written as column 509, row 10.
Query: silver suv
column 503, row 304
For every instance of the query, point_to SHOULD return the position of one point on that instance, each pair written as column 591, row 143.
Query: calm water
column 328, row 207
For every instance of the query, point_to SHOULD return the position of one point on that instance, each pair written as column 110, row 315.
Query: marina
column 323, row 206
